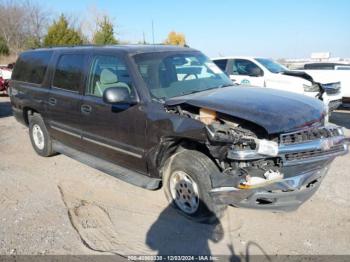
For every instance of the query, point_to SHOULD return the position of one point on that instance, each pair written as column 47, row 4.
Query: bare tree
column 90, row 24
column 22, row 21
column 12, row 23
column 37, row 20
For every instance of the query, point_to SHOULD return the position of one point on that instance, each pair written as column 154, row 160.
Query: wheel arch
column 175, row 145
column 27, row 113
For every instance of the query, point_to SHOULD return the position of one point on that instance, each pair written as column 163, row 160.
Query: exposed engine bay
column 227, row 136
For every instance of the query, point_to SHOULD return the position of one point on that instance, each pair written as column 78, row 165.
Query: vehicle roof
column 132, row 49
column 239, row 57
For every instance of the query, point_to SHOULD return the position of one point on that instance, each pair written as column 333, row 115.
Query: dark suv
column 167, row 116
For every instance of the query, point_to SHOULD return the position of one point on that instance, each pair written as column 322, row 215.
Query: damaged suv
column 162, row 116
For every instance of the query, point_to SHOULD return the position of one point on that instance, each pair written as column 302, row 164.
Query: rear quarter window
column 31, row 66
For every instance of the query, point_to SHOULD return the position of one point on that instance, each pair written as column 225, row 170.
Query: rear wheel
column 39, row 136
column 187, row 184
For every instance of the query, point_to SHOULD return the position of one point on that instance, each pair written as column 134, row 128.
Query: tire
column 39, row 136
column 179, row 170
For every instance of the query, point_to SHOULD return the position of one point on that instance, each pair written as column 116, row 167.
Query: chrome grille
column 331, row 88
column 308, row 135
column 331, row 91
column 314, row 153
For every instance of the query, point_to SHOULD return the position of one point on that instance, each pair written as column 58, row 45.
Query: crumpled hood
column 276, row 111
column 300, row 74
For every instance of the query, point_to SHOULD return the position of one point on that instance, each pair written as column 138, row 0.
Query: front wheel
column 187, row 184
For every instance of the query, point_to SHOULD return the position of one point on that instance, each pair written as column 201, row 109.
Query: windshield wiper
column 216, row 87
column 225, row 85
column 192, row 92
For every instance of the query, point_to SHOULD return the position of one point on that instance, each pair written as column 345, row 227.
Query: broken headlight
column 312, row 88
column 266, row 147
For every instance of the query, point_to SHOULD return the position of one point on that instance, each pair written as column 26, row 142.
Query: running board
column 117, row 171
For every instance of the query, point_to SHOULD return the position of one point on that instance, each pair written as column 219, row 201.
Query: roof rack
column 59, row 46
column 94, row 45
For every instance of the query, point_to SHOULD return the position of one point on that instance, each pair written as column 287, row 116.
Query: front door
column 115, row 133
column 246, row 72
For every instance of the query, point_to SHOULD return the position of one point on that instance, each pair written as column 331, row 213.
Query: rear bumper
column 283, row 195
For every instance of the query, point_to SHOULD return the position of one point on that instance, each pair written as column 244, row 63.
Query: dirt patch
column 93, row 224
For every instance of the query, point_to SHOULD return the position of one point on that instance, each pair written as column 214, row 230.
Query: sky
column 269, row 28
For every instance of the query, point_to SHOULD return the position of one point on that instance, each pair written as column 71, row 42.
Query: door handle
column 86, row 109
column 52, row 101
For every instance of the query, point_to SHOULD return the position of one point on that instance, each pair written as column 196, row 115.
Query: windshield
column 171, row 74
column 271, row 65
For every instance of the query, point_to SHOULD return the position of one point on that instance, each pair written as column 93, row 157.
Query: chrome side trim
column 112, row 147
column 96, row 142
column 65, row 131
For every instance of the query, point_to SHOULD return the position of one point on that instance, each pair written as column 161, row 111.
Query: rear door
column 65, row 98
column 246, row 72
column 29, row 85
column 115, row 133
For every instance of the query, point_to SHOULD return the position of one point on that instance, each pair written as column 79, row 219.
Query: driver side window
column 245, row 67
column 107, row 71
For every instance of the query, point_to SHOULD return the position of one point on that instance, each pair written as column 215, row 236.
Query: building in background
column 314, row 57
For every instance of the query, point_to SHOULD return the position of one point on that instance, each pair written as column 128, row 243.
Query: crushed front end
column 280, row 173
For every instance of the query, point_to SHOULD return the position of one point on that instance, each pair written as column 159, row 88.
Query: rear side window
column 319, row 67
column 69, row 72
column 31, row 66
column 221, row 64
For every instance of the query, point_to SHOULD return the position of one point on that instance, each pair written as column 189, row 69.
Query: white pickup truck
column 264, row 72
column 324, row 72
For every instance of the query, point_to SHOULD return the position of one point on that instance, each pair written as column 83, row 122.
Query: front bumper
column 333, row 101
column 304, row 166
column 283, row 195
column 333, row 105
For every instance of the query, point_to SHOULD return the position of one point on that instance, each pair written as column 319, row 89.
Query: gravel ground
column 59, row 206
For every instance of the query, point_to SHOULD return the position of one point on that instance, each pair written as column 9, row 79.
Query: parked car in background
column 264, row 72
column 325, row 66
column 166, row 116
column 331, row 72
column 5, row 76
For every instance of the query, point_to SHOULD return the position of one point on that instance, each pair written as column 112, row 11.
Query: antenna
column 152, row 31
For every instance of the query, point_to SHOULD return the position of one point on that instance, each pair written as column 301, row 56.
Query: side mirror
column 116, row 95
